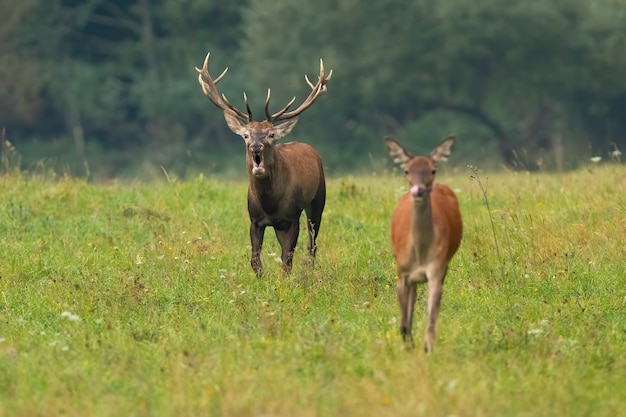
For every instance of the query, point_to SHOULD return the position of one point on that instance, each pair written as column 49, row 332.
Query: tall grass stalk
column 483, row 188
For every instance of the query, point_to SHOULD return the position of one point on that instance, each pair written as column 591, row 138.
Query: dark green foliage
column 536, row 85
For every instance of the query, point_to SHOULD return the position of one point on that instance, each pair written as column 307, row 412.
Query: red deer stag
column 426, row 231
column 283, row 179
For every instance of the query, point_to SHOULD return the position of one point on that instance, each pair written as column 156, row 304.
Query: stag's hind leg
column 314, row 220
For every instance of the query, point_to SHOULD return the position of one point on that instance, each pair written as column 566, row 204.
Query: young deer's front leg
column 407, row 293
column 435, row 291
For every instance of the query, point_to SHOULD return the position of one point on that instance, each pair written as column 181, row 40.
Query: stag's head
column 259, row 137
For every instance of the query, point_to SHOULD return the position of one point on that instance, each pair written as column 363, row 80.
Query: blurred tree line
column 109, row 86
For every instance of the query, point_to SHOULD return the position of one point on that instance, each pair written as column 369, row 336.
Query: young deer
column 283, row 179
column 426, row 231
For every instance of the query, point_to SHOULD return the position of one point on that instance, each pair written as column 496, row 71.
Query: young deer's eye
column 434, row 171
column 406, row 172
column 246, row 136
column 272, row 135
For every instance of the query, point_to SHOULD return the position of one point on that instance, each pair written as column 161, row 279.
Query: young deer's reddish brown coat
column 283, row 179
column 426, row 230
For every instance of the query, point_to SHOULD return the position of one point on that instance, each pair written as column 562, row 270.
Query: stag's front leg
column 256, row 241
column 288, row 238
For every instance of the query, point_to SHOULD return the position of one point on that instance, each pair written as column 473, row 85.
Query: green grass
column 138, row 299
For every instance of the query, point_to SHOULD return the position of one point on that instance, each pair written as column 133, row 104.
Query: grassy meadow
column 135, row 299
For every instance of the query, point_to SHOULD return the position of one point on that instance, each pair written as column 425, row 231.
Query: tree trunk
column 75, row 126
column 148, row 38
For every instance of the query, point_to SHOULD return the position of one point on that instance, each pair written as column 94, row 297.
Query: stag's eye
column 272, row 135
column 434, row 171
column 246, row 136
column 406, row 172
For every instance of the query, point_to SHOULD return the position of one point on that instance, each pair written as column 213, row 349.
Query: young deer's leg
column 404, row 290
column 412, row 296
column 435, row 291
column 288, row 239
column 256, row 240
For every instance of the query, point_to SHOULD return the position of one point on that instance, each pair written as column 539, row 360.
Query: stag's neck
column 422, row 228
column 269, row 189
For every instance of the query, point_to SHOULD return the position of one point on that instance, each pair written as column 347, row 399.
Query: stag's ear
column 234, row 123
column 444, row 150
column 397, row 152
column 283, row 129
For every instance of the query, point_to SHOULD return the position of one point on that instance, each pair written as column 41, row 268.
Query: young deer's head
column 259, row 137
column 419, row 170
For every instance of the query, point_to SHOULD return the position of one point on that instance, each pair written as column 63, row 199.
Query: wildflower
column 595, row 159
column 138, row 260
column 70, row 316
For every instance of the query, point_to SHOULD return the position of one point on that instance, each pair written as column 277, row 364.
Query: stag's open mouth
column 258, row 168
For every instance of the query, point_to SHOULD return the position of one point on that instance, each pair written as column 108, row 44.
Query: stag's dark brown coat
column 284, row 179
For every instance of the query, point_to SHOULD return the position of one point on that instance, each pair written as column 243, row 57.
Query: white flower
column 595, row 159
column 70, row 316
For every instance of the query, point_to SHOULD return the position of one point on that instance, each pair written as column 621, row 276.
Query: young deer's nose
column 418, row 191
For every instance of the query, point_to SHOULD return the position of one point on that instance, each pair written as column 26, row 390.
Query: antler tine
column 245, row 100
column 278, row 113
column 316, row 90
column 210, row 90
column 239, row 113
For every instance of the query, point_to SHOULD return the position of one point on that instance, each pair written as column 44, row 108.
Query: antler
column 210, row 90
column 316, row 90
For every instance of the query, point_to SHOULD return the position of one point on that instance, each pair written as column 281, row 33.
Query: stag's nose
column 256, row 148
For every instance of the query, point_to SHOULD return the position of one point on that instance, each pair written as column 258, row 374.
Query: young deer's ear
column 234, row 123
column 444, row 150
column 283, row 129
column 397, row 152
